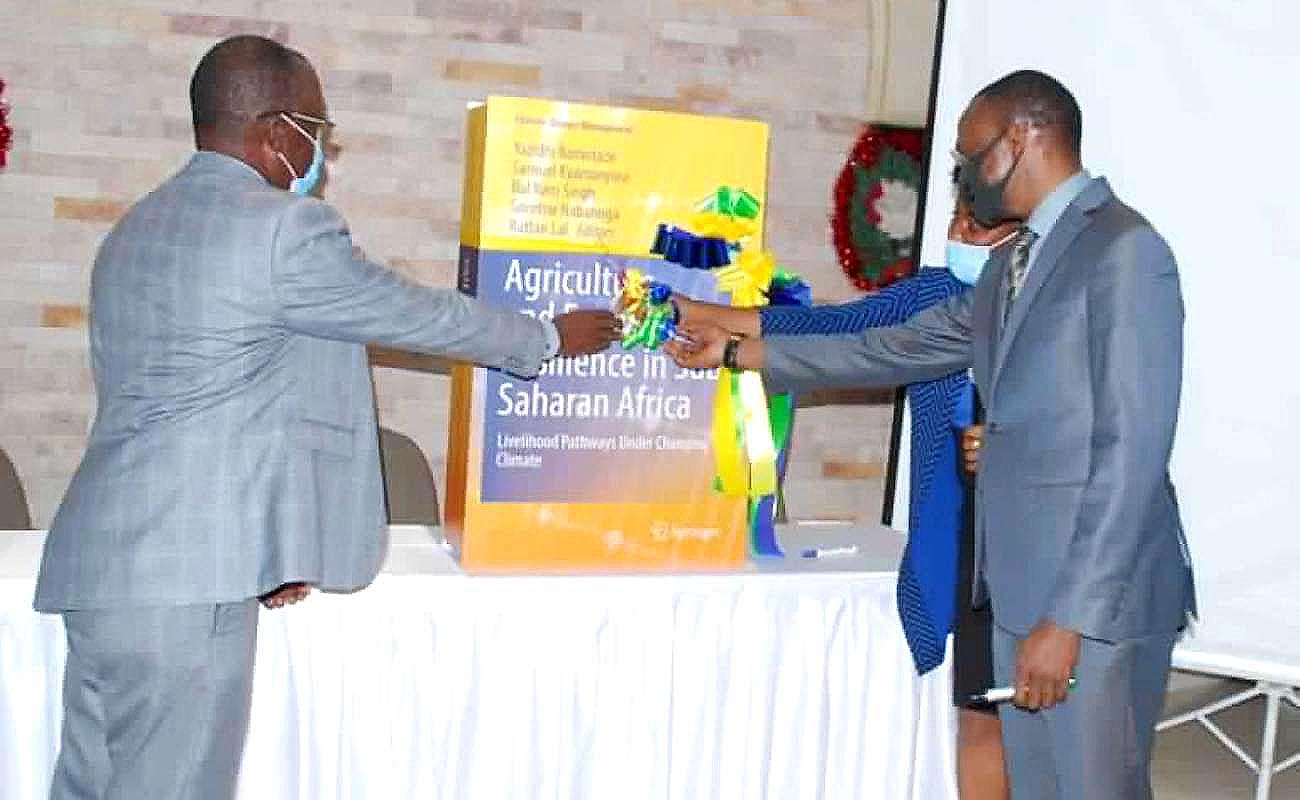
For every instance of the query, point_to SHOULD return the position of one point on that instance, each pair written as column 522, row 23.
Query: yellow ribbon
column 635, row 294
column 747, row 278
column 743, row 448
column 758, row 435
column 712, row 225
column 728, row 444
column 742, row 433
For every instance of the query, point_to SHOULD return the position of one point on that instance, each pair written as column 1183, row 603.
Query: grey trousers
column 155, row 702
column 1097, row 744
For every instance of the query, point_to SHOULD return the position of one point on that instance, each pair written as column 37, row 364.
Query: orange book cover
column 602, row 463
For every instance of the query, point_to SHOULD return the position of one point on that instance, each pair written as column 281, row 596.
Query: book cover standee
column 603, row 462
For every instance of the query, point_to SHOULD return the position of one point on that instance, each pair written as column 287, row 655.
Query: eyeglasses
column 322, row 126
column 962, row 160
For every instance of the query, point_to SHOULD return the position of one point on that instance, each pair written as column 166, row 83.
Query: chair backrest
column 408, row 481
column 14, row 515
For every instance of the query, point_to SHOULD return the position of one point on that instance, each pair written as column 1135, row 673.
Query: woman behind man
column 934, row 580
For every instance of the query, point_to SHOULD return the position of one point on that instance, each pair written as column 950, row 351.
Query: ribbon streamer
column 760, row 451
column 750, row 431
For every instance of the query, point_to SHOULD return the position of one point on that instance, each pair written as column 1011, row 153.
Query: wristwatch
column 729, row 351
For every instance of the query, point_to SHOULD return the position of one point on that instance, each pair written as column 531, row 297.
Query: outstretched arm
column 929, row 345
column 889, row 306
column 744, row 321
column 325, row 289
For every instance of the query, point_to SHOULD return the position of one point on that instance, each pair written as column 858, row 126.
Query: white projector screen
column 1189, row 108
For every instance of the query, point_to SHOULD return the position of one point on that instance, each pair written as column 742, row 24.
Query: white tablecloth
column 785, row 683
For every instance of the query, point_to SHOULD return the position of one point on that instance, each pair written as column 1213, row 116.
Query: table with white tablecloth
column 790, row 680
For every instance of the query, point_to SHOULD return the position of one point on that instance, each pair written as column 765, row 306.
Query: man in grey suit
column 235, row 447
column 1074, row 332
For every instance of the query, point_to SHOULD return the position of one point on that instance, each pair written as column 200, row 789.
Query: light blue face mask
column 966, row 261
column 311, row 178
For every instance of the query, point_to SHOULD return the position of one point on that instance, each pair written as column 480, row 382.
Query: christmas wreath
column 6, row 133
column 873, row 225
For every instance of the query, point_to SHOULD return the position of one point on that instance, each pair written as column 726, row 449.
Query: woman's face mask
column 966, row 261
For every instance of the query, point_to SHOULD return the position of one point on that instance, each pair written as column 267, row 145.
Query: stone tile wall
column 100, row 111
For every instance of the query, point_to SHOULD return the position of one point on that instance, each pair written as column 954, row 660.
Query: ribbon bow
column 690, row 250
column 750, row 432
column 731, row 201
column 748, row 278
column 649, row 315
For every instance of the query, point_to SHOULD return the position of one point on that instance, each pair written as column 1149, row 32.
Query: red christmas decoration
column 869, row 257
column 6, row 133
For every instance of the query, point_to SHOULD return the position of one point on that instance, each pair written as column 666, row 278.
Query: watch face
column 729, row 352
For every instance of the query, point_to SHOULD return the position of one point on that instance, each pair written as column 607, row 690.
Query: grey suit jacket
column 1077, row 518
column 235, row 446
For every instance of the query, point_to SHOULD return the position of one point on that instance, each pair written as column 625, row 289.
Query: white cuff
column 552, row 340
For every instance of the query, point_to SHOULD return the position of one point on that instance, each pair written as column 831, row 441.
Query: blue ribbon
column 691, row 251
column 762, row 534
column 792, row 292
column 785, row 290
column 660, row 293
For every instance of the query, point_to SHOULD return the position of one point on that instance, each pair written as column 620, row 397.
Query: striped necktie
column 1019, row 266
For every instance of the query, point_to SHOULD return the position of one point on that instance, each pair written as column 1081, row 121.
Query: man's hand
column 286, row 595
column 972, row 439
column 1044, row 664
column 702, row 348
column 586, row 331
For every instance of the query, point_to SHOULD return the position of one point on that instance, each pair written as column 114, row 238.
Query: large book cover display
column 604, row 462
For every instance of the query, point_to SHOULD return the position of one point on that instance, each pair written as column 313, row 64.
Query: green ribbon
column 731, row 201
column 649, row 332
column 738, row 415
column 780, row 410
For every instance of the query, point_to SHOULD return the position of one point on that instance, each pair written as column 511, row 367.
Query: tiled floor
column 1190, row 764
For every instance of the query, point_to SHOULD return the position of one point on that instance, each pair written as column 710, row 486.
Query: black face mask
column 987, row 200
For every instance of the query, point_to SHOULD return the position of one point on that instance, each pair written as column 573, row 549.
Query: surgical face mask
column 966, row 261
column 306, row 184
column 987, row 200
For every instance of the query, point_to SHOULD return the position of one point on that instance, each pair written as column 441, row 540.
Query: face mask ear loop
column 316, row 145
column 1010, row 235
column 298, row 128
column 284, row 160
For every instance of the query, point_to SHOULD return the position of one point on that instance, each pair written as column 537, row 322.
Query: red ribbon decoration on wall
column 6, row 133
column 869, row 258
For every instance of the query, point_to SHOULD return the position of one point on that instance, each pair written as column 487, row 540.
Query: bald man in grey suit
column 234, row 454
column 1074, row 332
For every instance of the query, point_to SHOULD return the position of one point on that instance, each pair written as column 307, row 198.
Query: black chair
column 408, row 481
column 14, row 515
